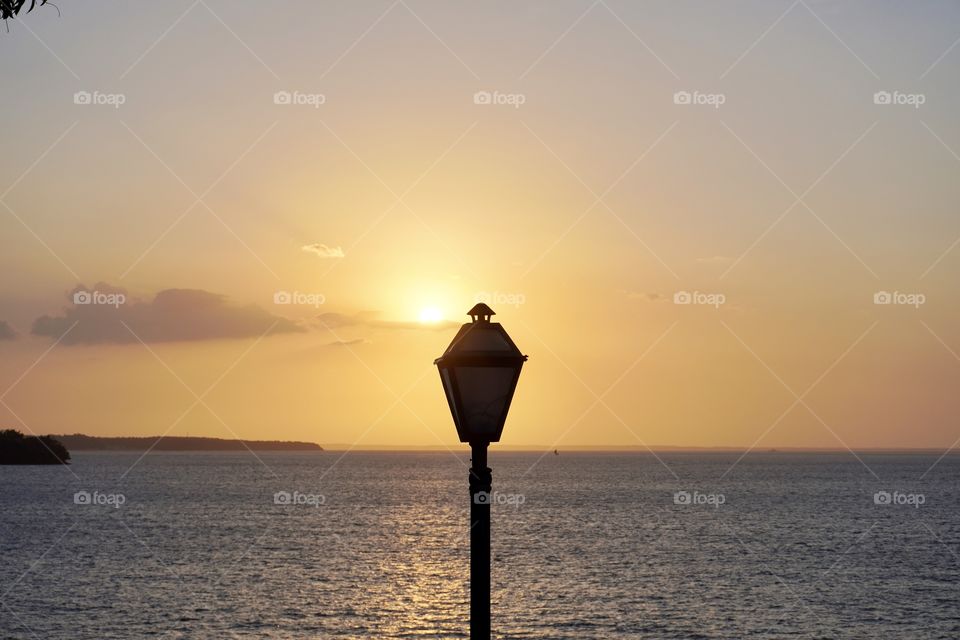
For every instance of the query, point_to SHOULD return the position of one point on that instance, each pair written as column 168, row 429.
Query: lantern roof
column 482, row 338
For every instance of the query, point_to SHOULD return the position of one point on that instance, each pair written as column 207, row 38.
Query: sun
column 430, row 315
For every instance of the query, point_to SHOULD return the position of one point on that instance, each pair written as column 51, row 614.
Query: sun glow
column 430, row 315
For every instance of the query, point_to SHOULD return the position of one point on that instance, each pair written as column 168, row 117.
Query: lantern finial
column 481, row 312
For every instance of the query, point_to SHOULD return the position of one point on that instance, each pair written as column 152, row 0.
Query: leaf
column 10, row 8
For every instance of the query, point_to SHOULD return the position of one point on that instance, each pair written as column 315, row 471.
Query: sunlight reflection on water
column 599, row 547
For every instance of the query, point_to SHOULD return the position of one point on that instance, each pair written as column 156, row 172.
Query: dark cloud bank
column 174, row 315
column 6, row 331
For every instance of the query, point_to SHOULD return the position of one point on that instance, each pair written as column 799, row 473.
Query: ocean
column 585, row 545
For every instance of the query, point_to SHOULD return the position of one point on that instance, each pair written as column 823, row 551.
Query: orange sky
column 580, row 168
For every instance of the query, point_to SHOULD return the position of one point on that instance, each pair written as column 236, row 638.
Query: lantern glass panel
column 484, row 394
column 451, row 398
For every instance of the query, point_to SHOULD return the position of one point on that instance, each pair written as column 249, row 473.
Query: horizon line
column 612, row 448
column 465, row 447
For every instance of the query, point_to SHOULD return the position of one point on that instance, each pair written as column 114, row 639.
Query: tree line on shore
column 16, row 448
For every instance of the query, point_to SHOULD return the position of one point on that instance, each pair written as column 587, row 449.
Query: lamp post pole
column 481, row 481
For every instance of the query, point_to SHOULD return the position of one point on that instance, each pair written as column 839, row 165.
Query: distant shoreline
column 80, row 442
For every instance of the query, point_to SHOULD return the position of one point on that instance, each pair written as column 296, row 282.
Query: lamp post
column 479, row 372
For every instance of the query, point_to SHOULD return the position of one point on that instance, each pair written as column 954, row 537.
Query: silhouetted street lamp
column 479, row 372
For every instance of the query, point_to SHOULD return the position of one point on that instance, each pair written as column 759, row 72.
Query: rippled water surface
column 584, row 546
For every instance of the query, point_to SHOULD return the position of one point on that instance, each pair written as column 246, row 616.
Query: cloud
column 347, row 343
column 370, row 319
column 98, row 316
column 6, row 331
column 323, row 250
column 649, row 296
column 338, row 320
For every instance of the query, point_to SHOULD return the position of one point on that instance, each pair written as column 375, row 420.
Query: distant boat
column 555, row 452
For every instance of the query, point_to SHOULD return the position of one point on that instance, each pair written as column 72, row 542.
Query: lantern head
column 479, row 372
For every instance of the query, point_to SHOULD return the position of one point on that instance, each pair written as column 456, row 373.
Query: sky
column 709, row 224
